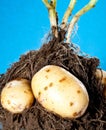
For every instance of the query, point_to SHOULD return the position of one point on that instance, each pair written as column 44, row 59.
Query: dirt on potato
column 56, row 52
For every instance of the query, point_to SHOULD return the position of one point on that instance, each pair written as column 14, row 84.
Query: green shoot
column 86, row 8
column 68, row 14
column 51, row 6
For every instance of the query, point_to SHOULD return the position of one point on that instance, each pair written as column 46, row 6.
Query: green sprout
column 51, row 6
column 68, row 27
column 68, row 14
column 86, row 8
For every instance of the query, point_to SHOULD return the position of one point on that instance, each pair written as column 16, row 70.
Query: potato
column 60, row 92
column 17, row 95
column 101, row 74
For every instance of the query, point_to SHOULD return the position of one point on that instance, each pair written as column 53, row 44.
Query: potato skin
column 60, row 92
column 101, row 74
column 17, row 95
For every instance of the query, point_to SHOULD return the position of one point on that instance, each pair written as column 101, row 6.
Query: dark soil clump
column 37, row 118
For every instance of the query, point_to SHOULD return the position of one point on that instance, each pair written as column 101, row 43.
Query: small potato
column 60, row 92
column 17, row 95
column 101, row 74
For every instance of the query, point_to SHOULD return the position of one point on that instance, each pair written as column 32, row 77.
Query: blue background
column 23, row 24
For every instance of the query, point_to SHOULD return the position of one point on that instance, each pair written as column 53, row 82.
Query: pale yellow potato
column 17, row 95
column 101, row 74
column 60, row 92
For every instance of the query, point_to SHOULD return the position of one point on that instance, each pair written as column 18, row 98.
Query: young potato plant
column 67, row 98
column 56, row 89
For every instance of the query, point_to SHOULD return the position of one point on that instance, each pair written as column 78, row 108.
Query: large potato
column 60, row 92
column 17, row 95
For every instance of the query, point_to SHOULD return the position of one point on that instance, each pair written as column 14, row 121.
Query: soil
column 56, row 52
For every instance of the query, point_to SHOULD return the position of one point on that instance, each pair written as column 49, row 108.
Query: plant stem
column 68, row 13
column 86, row 8
column 51, row 6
